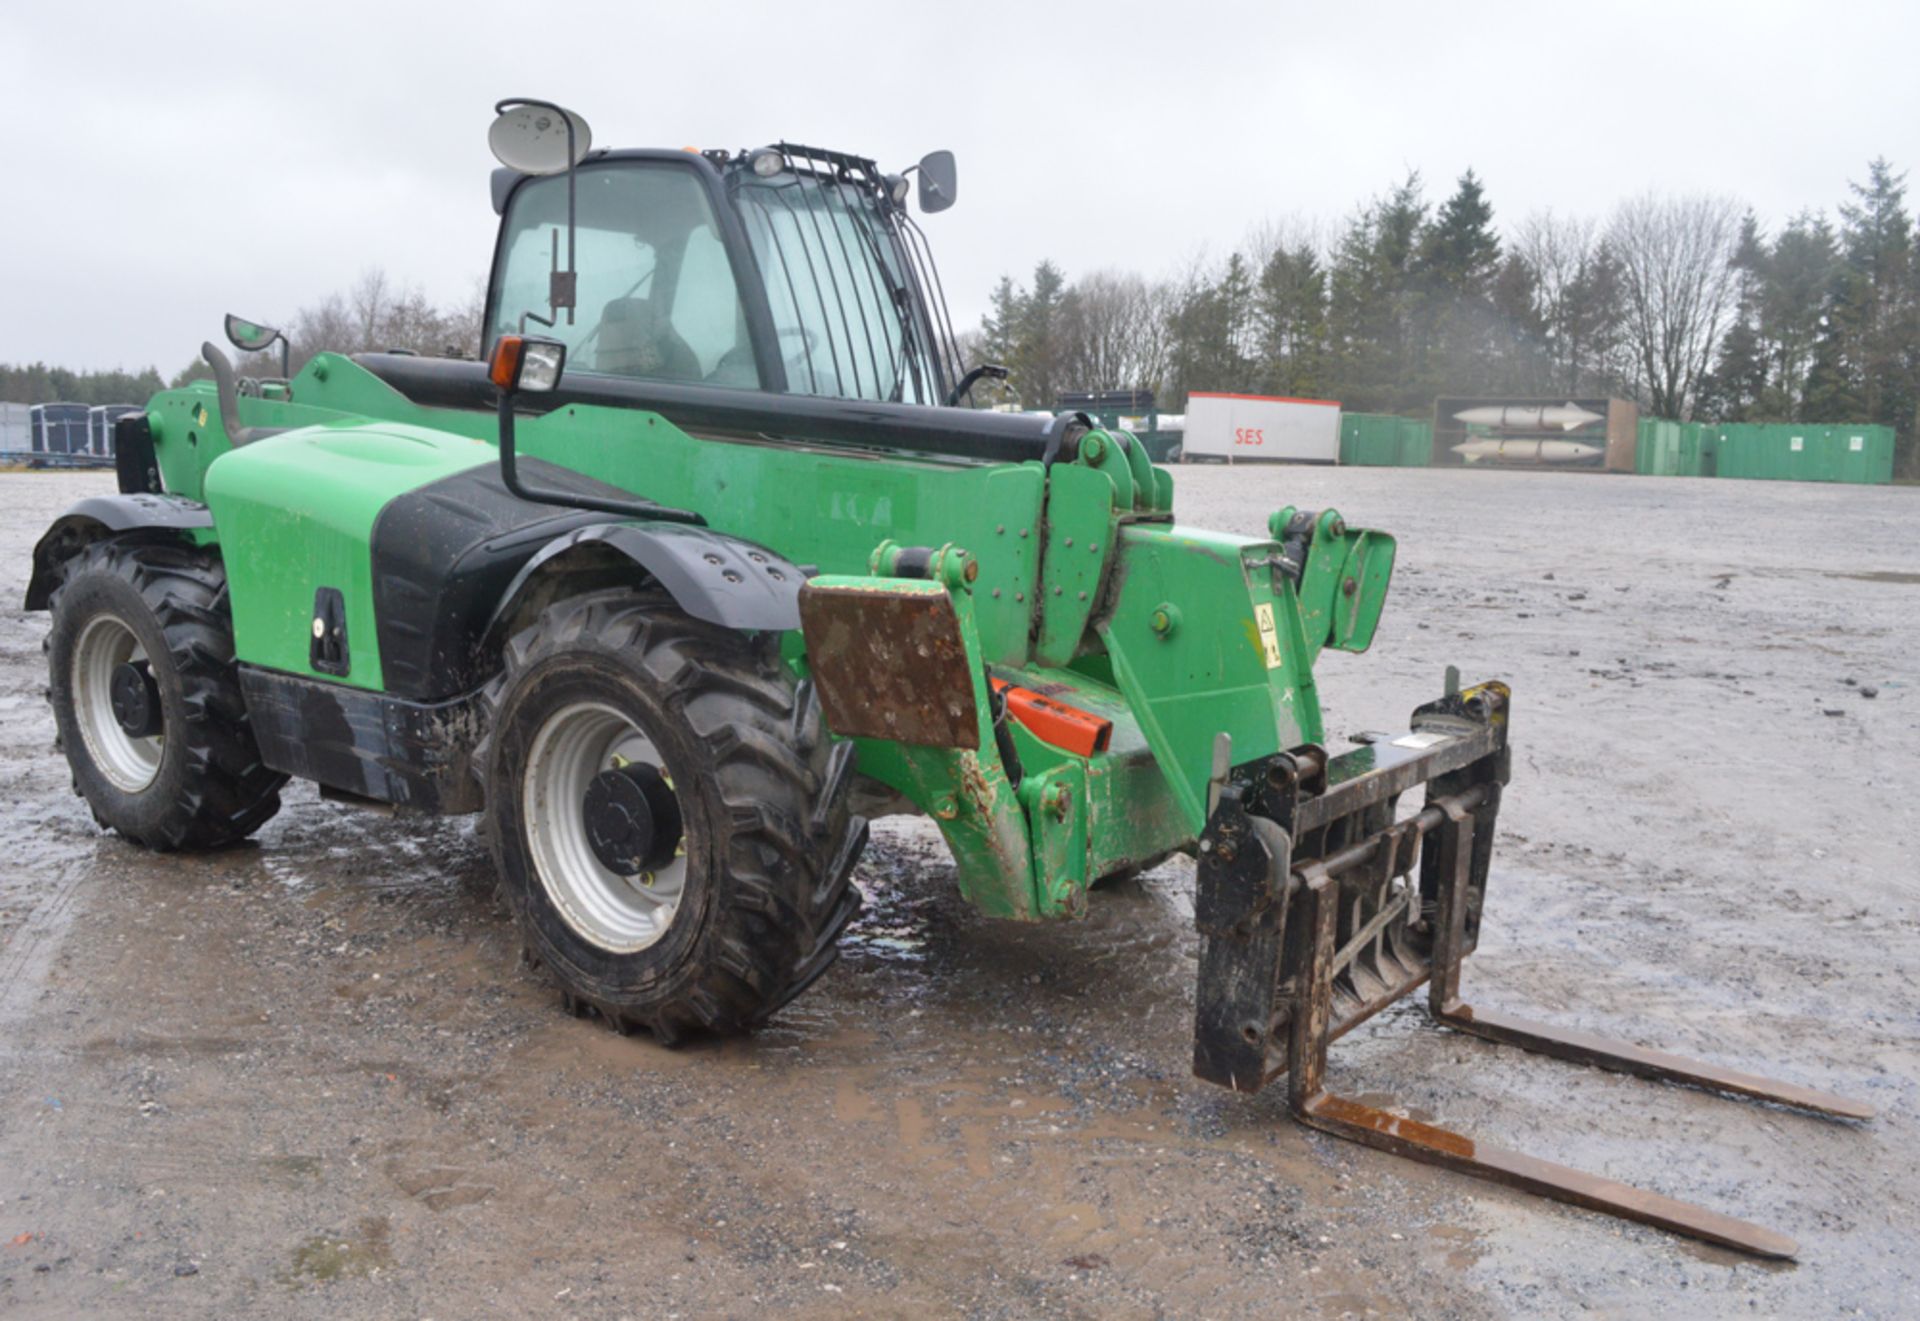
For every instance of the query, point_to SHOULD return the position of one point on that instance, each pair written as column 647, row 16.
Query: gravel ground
column 310, row 1078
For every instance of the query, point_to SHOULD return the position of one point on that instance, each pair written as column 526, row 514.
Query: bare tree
column 1115, row 332
column 327, row 326
column 370, row 303
column 377, row 314
column 1679, row 284
column 1578, row 295
column 466, row 324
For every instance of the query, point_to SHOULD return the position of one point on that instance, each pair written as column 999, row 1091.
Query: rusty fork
column 1311, row 1027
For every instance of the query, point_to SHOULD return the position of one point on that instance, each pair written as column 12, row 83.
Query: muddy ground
column 310, row 1078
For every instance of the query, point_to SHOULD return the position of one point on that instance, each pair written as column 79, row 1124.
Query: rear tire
column 748, row 843
column 196, row 781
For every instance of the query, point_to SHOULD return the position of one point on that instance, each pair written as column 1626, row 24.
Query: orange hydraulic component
column 1055, row 723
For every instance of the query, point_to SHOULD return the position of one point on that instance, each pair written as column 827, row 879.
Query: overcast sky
column 168, row 162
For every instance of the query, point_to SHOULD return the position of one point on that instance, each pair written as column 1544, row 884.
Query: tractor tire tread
column 224, row 792
column 788, row 891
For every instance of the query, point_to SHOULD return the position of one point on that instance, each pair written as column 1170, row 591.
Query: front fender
column 710, row 575
column 100, row 516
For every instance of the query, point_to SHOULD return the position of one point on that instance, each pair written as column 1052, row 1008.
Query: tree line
column 1686, row 304
column 377, row 313
column 37, row 383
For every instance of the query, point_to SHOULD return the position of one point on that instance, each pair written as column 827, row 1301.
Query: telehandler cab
column 706, row 561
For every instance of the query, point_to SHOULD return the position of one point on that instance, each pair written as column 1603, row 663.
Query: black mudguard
column 710, row 575
column 452, row 560
column 97, row 516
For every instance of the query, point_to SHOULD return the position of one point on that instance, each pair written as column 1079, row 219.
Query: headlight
column 540, row 364
column 520, row 363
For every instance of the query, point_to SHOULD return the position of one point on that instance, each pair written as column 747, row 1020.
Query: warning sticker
column 1269, row 639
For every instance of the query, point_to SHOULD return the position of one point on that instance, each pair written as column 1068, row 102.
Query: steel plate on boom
column 890, row 663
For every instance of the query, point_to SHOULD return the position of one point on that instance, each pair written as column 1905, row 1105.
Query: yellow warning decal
column 1263, row 617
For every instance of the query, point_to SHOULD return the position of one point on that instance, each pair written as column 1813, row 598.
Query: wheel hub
column 135, row 699
column 632, row 819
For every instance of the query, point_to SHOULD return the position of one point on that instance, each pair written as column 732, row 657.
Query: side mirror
column 521, row 363
column 539, row 137
column 252, row 337
column 939, row 186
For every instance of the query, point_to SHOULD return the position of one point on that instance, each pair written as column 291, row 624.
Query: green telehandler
column 705, row 563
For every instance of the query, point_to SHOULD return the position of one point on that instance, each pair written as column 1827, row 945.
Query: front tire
column 147, row 701
column 668, row 817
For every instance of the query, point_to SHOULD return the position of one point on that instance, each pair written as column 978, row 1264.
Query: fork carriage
column 1318, row 909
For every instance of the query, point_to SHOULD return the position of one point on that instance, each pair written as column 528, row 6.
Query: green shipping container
column 1380, row 440
column 1672, row 449
column 1804, row 452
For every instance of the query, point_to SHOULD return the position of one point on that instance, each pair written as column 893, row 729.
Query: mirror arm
column 572, row 276
column 987, row 370
column 228, row 391
column 560, row 284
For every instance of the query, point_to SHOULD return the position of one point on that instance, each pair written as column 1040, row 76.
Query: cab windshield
column 846, row 280
column 837, row 289
column 655, row 296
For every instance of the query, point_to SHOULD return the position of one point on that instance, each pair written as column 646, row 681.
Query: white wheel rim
column 619, row 914
column 129, row 763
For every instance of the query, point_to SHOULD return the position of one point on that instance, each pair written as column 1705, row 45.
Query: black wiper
column 859, row 303
column 899, row 372
column 833, row 351
column 902, row 306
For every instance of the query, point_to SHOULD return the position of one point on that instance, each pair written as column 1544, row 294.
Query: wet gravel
column 309, row 1077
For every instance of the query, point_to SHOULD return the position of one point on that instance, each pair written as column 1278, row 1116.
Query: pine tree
column 1516, row 345
column 1797, row 276
column 1372, row 301
column 1866, row 362
column 1037, row 353
column 1732, row 392
column 1290, row 310
column 1001, row 322
column 1460, row 250
column 1455, row 348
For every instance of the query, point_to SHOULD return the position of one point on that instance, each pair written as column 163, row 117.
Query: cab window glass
column 655, row 296
column 836, row 289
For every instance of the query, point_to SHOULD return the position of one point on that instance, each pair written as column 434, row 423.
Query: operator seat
column 636, row 339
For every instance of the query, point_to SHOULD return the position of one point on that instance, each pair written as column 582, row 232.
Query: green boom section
column 820, row 506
